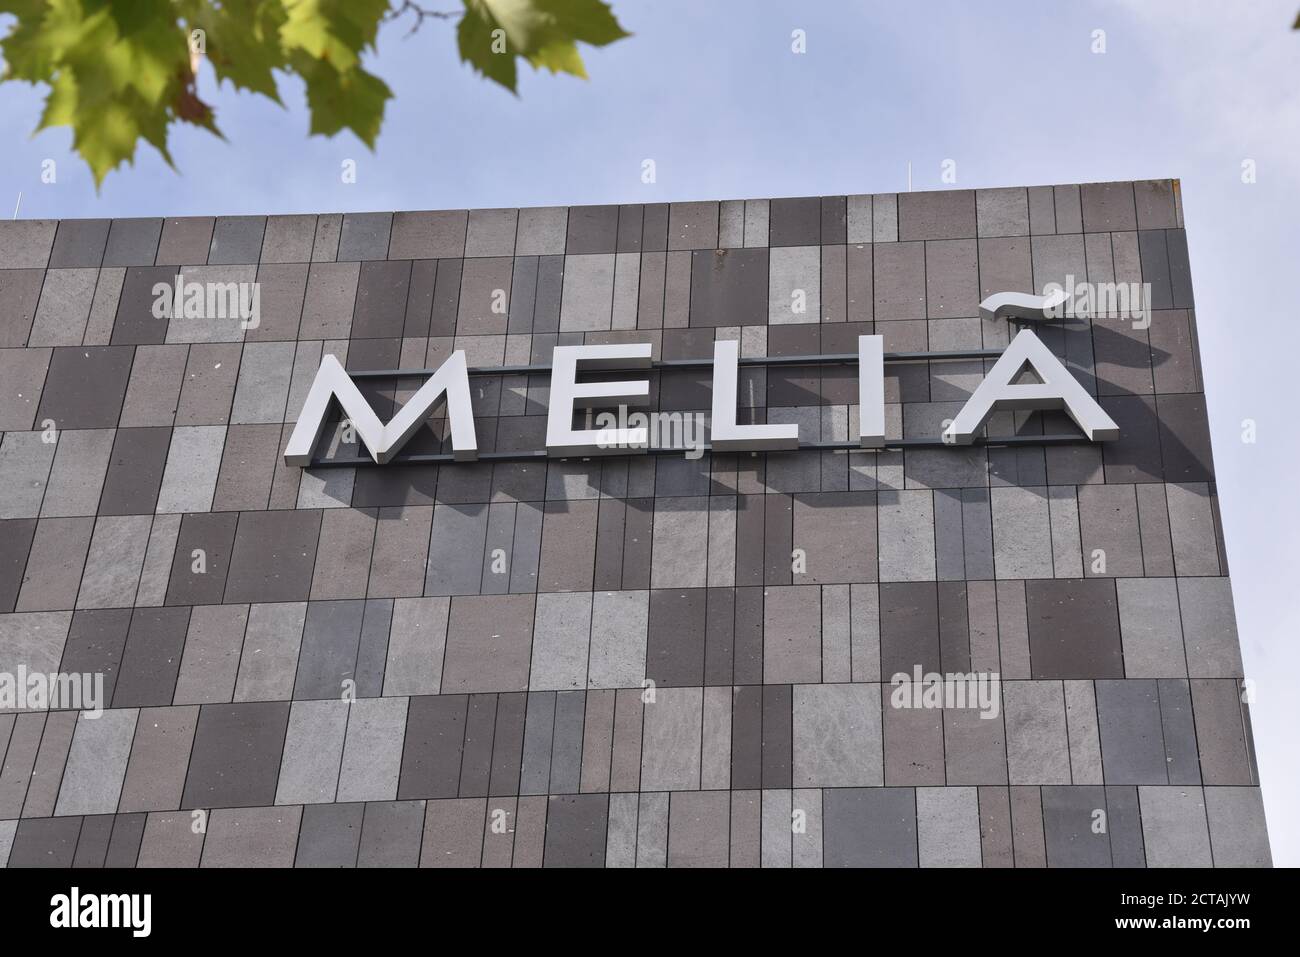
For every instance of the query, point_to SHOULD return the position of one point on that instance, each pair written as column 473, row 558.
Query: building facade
column 1003, row 654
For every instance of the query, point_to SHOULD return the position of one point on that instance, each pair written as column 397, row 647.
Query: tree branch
column 421, row 13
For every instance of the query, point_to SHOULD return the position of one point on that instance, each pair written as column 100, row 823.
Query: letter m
column 384, row 441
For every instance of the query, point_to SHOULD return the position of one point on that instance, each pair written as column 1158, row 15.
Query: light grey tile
column 92, row 779
column 372, row 750
column 114, row 562
column 1174, row 827
column 619, row 630
column 948, row 827
column 671, row 749
column 837, row 736
column 561, row 636
column 313, row 752
column 190, row 477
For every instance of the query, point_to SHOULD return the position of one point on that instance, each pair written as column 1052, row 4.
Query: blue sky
column 712, row 92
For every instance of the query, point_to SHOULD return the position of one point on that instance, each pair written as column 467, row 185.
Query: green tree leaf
column 545, row 33
column 119, row 72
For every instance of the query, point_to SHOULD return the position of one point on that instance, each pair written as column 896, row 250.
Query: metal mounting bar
column 830, row 359
column 538, row 455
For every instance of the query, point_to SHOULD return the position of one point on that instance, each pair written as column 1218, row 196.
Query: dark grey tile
column 124, row 845
column 1070, row 815
column 433, row 747
column 135, row 471
column 85, row 386
column 390, row 834
column 1132, row 745
column 331, row 638
column 795, row 222
column 45, row 842
column 132, row 242
column 364, row 236
column 273, row 556
column 202, row 558
column 508, row 743
column 79, row 242
column 869, row 827
column 135, row 323
column 236, row 239
column 96, row 643
column 676, row 639
column 1185, row 438
column 592, row 229
column 15, row 543
column 185, row 241
column 151, row 659
column 235, row 761
column 382, row 293
column 1073, row 628
column 330, row 835
column 909, row 628
column 576, row 826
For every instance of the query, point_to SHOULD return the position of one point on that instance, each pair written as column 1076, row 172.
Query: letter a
column 1057, row 390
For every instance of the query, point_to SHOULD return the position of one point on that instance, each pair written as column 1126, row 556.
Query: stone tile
column 576, row 828
column 185, row 241
column 1209, row 628
column 372, row 750
column 79, row 242
column 561, row 635
column 837, row 736
column 64, row 308
column 77, row 475
column 210, row 663
column 1174, row 827
column 55, row 564
column 288, row 239
column 906, row 535
column 794, row 285
column 85, row 386
column 95, row 642
column 45, row 842
column 271, row 643
column 948, row 831
column 330, row 835
column 1132, row 744
column 236, row 239
column 202, row 558
column 135, row 471
column 273, row 556
column 488, row 644
column 169, row 841
column 313, row 750
column 792, row 634
column 160, row 755
column 671, row 745
column 114, row 562
column 22, row 377
column 132, row 242
column 236, row 756
column 870, row 827
column 1074, row 629
column 154, row 388
column 92, row 778
column 1069, row 818
column 251, row 837
column 152, row 658
column 619, row 630
column 1237, row 833
column 1038, row 750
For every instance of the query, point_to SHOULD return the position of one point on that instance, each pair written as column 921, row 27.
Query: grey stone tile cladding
column 628, row 661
